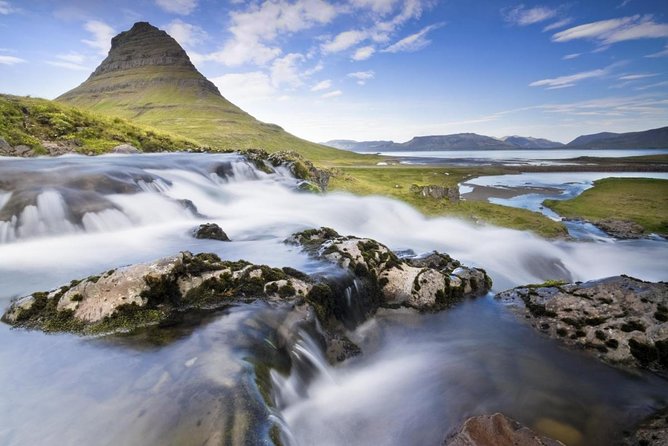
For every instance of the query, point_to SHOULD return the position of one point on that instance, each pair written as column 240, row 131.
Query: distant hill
column 457, row 141
column 648, row 139
column 149, row 79
column 527, row 142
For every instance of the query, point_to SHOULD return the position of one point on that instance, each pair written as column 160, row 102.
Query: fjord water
column 69, row 217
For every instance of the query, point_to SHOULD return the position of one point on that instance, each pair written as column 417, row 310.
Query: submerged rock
column 620, row 319
column 211, row 231
column 497, row 430
column 429, row 283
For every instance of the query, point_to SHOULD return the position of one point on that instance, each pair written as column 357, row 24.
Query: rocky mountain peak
column 143, row 45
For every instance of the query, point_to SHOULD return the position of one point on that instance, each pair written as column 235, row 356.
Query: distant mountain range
column 649, row 139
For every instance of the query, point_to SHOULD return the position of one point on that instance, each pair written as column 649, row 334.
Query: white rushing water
column 66, row 218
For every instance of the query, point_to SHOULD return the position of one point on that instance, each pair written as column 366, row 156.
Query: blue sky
column 378, row 69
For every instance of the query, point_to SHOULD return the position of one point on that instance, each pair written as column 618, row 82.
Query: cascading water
column 69, row 217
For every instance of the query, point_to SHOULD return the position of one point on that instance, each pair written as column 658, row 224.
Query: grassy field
column 641, row 200
column 31, row 121
column 396, row 182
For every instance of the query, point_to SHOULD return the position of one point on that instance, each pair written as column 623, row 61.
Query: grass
column 396, row 181
column 31, row 122
column 641, row 200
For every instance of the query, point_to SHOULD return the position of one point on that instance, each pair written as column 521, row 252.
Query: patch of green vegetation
column 547, row 284
column 396, row 181
column 641, row 200
column 31, row 122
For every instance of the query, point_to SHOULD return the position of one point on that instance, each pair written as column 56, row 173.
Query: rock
column 5, row 148
column 299, row 167
column 22, row 150
column 497, row 430
column 622, row 229
column 437, row 192
column 211, row 231
column 428, row 283
column 125, row 149
column 620, row 319
column 652, row 431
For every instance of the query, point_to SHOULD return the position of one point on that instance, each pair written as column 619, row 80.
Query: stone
column 211, row 231
column 22, row 150
column 5, row 148
column 125, row 149
column 653, row 431
column 622, row 229
column 621, row 320
column 496, row 430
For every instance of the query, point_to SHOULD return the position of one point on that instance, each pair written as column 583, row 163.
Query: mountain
column 527, row 142
column 457, row 141
column 648, row 139
column 149, row 79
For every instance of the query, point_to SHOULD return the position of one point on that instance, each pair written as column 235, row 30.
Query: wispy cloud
column 102, row 34
column 414, row 42
column 570, row 80
column 633, row 77
column 571, row 56
column 362, row 76
column 6, row 8
column 662, row 53
column 246, row 87
column 363, row 53
column 343, row 41
column 322, row 85
column 655, row 85
column 615, row 30
column 332, row 94
column 182, row 7
column 70, row 61
column 523, row 16
column 558, row 24
column 10, row 60
column 188, row 35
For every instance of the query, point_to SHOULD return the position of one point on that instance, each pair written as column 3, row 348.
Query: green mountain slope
column 39, row 123
column 149, row 79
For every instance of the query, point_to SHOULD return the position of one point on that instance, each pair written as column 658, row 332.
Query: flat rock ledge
column 496, row 430
column 149, row 293
column 622, row 320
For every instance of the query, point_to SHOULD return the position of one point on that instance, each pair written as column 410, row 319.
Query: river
column 194, row 381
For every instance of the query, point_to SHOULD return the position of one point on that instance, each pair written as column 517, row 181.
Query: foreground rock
column 622, row 320
column 497, row 430
column 211, row 231
column 651, row 432
column 371, row 276
column 428, row 283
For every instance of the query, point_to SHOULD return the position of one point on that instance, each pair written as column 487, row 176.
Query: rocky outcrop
column 497, row 430
column 21, row 150
column 437, row 192
column 622, row 229
column 652, row 431
column 621, row 320
column 299, row 167
column 125, row 149
column 426, row 284
column 211, row 231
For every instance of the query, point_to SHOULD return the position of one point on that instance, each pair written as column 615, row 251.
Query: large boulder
column 125, row 149
column 426, row 284
column 497, row 430
column 620, row 319
column 211, row 231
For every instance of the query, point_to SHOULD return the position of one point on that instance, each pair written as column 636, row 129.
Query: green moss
column 322, row 298
column 287, row 290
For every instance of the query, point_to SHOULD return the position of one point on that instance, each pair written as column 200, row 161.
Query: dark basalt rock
column 211, row 231
column 497, row 430
column 620, row 319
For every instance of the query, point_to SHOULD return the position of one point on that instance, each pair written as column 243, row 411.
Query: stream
column 195, row 381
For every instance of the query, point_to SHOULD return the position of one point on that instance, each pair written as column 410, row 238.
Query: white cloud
column 571, row 56
column 255, row 29
column 343, row 41
column 182, row 7
column 570, row 80
column 558, row 24
column 67, row 65
column 285, row 72
column 414, row 42
column 70, row 61
column 332, row 94
column 362, row 76
column 615, row 30
column 245, row 87
column 522, row 16
column 633, row 77
column 102, row 34
column 10, row 60
column 186, row 34
column 381, row 7
column 662, row 53
column 72, row 57
column 363, row 53
column 6, row 8
column 323, row 85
